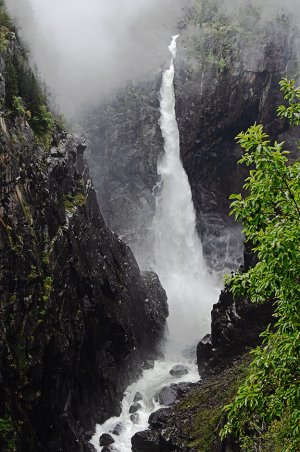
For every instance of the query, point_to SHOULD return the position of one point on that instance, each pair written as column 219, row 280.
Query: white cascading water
column 178, row 260
column 178, row 253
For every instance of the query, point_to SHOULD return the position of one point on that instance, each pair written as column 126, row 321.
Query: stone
column 135, row 407
column 167, row 396
column 135, row 418
column 147, row 441
column 138, row 397
column 205, row 348
column 183, row 388
column 179, row 371
column 106, row 440
column 117, row 430
column 159, row 418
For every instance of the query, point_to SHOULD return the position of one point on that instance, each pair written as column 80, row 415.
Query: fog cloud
column 86, row 48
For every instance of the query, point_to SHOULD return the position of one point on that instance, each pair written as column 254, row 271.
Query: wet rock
column 135, row 418
column 135, row 407
column 204, row 353
column 159, row 418
column 138, row 397
column 106, row 440
column 148, row 365
column 167, row 396
column 179, row 370
column 117, row 430
column 183, row 388
column 205, row 347
column 147, row 441
column 93, row 284
column 235, row 327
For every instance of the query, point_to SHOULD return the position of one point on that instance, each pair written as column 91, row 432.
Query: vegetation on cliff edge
column 25, row 93
column 267, row 405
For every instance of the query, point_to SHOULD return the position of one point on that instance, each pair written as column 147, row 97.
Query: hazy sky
column 85, row 48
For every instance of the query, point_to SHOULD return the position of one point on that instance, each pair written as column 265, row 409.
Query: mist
column 86, row 49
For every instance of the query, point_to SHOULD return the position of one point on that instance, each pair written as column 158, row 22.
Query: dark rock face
column 125, row 140
column 227, row 78
column 236, row 327
column 78, row 318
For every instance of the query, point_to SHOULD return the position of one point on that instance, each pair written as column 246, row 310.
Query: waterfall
column 178, row 256
column 178, row 261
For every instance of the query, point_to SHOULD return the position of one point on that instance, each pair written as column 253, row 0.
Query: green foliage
column 204, row 407
column 25, row 93
column 18, row 106
column 43, row 124
column 292, row 95
column 5, row 27
column 11, row 78
column 73, row 201
column 7, row 435
column 270, row 214
column 3, row 38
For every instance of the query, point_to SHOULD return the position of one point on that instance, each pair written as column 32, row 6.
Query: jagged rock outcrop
column 236, row 327
column 77, row 316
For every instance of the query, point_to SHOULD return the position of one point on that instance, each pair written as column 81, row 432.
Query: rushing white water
column 149, row 385
column 179, row 262
column 179, row 259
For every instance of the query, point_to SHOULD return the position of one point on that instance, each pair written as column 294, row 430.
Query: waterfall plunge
column 178, row 260
column 178, row 257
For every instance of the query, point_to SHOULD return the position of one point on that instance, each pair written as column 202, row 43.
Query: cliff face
column 125, row 141
column 227, row 74
column 77, row 316
column 228, row 71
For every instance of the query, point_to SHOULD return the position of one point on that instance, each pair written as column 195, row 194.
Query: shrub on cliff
column 267, row 406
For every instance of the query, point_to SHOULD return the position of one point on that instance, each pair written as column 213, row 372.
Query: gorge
column 86, row 322
column 179, row 262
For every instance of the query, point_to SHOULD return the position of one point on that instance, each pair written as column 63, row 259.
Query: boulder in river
column 135, row 407
column 167, row 396
column 106, row 440
column 135, row 418
column 179, row 371
column 159, row 418
column 138, row 397
column 147, row 441
column 118, row 428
